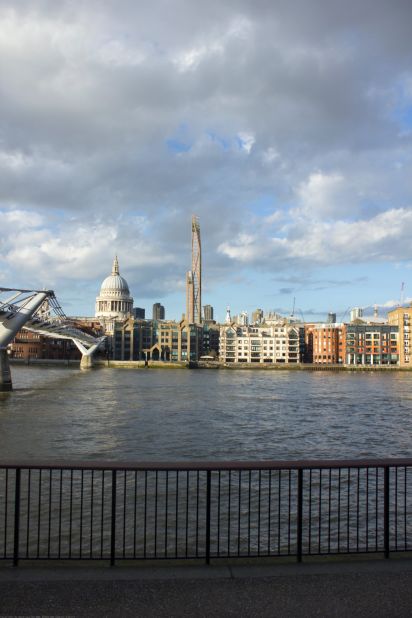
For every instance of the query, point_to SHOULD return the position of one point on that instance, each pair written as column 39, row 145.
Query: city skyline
column 290, row 139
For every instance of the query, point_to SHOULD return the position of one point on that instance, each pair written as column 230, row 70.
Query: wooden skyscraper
column 194, row 278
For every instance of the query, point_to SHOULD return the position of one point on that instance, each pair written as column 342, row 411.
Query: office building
column 139, row 313
column 257, row 316
column 356, row 314
column 208, row 313
column 158, row 312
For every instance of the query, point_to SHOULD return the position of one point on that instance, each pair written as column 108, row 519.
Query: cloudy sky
column 285, row 125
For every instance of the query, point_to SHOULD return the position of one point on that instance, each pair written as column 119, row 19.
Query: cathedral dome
column 114, row 300
column 114, row 283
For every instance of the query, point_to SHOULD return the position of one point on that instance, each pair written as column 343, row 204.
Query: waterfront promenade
column 214, row 365
column 378, row 588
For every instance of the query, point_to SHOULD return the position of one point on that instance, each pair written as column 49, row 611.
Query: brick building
column 372, row 344
column 401, row 317
column 328, row 344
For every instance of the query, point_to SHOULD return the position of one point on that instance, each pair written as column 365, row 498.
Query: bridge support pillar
column 86, row 361
column 5, row 373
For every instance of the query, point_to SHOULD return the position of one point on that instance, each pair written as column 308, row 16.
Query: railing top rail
column 305, row 464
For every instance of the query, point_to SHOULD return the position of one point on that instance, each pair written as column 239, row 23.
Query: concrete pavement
column 378, row 588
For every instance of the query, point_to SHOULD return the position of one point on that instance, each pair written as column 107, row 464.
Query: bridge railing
column 206, row 511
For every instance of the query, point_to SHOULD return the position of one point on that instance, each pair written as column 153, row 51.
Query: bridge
column 38, row 311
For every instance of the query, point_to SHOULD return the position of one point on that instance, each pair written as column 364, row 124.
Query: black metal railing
column 102, row 511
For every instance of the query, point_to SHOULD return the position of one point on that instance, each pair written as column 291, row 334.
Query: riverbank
column 208, row 365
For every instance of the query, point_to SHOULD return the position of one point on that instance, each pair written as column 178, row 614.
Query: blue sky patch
column 222, row 141
column 177, row 146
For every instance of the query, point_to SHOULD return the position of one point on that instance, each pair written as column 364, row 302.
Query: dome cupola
column 114, row 301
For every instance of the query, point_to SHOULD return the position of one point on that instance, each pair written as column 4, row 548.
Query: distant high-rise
column 243, row 318
column 331, row 317
column 257, row 316
column 208, row 313
column 139, row 313
column 194, row 278
column 158, row 312
column 356, row 314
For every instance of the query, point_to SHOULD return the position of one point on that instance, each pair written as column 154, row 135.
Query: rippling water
column 175, row 414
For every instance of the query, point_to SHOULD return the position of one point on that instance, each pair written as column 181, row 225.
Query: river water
column 175, row 414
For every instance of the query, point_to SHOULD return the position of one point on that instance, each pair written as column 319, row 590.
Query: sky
column 286, row 126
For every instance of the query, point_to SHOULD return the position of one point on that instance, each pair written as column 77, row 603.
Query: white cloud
column 244, row 249
column 49, row 255
column 391, row 304
column 324, row 195
column 16, row 220
column 270, row 155
column 214, row 45
column 14, row 161
column 190, row 59
column 277, row 216
column 246, row 140
column 90, row 94
column 116, row 54
column 382, row 238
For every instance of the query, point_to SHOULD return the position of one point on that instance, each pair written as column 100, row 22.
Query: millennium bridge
column 38, row 311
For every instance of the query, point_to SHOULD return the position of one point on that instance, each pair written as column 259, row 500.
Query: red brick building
column 325, row 344
column 27, row 345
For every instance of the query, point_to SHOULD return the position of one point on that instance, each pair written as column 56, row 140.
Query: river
column 175, row 414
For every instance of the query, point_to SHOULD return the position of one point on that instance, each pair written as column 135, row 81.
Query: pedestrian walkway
column 375, row 588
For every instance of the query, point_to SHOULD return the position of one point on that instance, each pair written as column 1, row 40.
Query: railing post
column 16, row 518
column 113, row 521
column 299, row 523
column 208, row 499
column 386, row 532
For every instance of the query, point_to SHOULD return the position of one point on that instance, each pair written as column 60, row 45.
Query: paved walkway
column 371, row 588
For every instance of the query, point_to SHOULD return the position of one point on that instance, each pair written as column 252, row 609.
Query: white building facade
column 276, row 343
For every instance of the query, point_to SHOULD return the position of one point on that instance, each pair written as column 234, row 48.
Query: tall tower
column 194, row 278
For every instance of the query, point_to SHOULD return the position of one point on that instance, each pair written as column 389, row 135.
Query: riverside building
column 325, row 344
column 359, row 343
column 211, row 339
column 401, row 317
column 157, row 340
column 29, row 346
column 280, row 343
column 371, row 344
